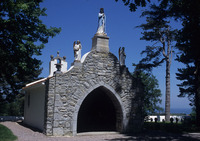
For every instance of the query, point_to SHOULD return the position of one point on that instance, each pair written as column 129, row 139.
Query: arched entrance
column 100, row 111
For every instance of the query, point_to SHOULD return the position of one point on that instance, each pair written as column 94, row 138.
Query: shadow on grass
column 152, row 132
column 172, row 127
column 158, row 136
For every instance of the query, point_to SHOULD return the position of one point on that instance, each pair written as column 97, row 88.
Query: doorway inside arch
column 98, row 112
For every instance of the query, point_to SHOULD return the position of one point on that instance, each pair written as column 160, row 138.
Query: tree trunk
column 197, row 95
column 167, row 93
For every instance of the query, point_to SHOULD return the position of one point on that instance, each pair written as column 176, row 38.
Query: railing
column 11, row 118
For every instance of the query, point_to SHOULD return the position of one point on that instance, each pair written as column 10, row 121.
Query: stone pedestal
column 76, row 64
column 100, row 43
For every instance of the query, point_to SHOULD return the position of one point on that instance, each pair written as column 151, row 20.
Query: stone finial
column 58, row 53
column 51, row 57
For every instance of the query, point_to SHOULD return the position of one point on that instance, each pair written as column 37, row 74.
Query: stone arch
column 114, row 96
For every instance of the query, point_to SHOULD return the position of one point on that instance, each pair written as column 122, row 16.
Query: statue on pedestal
column 101, row 22
column 122, row 56
column 77, row 50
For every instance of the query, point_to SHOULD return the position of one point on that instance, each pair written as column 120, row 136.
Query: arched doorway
column 99, row 111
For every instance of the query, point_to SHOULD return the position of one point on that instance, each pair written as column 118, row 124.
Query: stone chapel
column 97, row 93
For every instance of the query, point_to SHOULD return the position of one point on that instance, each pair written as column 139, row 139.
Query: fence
column 11, row 118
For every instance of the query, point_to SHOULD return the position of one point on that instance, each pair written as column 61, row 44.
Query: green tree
column 16, row 108
column 152, row 93
column 22, row 37
column 188, row 43
column 186, row 12
column 157, row 30
column 134, row 4
column 187, row 87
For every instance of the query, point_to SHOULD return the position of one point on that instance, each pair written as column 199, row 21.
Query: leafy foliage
column 186, row 12
column 152, row 93
column 133, row 5
column 22, row 36
column 157, row 30
column 187, row 87
column 15, row 108
column 188, row 37
column 188, row 45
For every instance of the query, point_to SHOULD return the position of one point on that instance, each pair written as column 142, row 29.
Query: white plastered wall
column 64, row 66
column 34, row 108
column 52, row 67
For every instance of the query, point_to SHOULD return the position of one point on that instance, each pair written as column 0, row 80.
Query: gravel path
column 26, row 134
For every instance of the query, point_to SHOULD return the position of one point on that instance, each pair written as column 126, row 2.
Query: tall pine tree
column 187, row 12
column 157, row 30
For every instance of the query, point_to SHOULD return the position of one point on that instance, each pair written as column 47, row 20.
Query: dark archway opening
column 97, row 113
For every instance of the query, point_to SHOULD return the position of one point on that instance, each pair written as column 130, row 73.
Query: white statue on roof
column 101, row 22
column 77, row 50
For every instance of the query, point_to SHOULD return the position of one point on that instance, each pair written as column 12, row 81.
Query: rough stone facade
column 66, row 92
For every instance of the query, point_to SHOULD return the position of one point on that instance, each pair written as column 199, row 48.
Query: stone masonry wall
column 66, row 92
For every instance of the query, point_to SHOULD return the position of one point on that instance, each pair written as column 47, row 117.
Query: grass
column 6, row 134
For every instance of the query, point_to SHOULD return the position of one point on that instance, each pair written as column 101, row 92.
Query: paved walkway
column 26, row 134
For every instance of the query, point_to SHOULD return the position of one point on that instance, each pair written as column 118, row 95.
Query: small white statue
column 122, row 56
column 101, row 22
column 77, row 50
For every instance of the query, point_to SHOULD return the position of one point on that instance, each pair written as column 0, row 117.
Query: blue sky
column 78, row 20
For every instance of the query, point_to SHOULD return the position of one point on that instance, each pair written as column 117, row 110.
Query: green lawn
column 6, row 134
